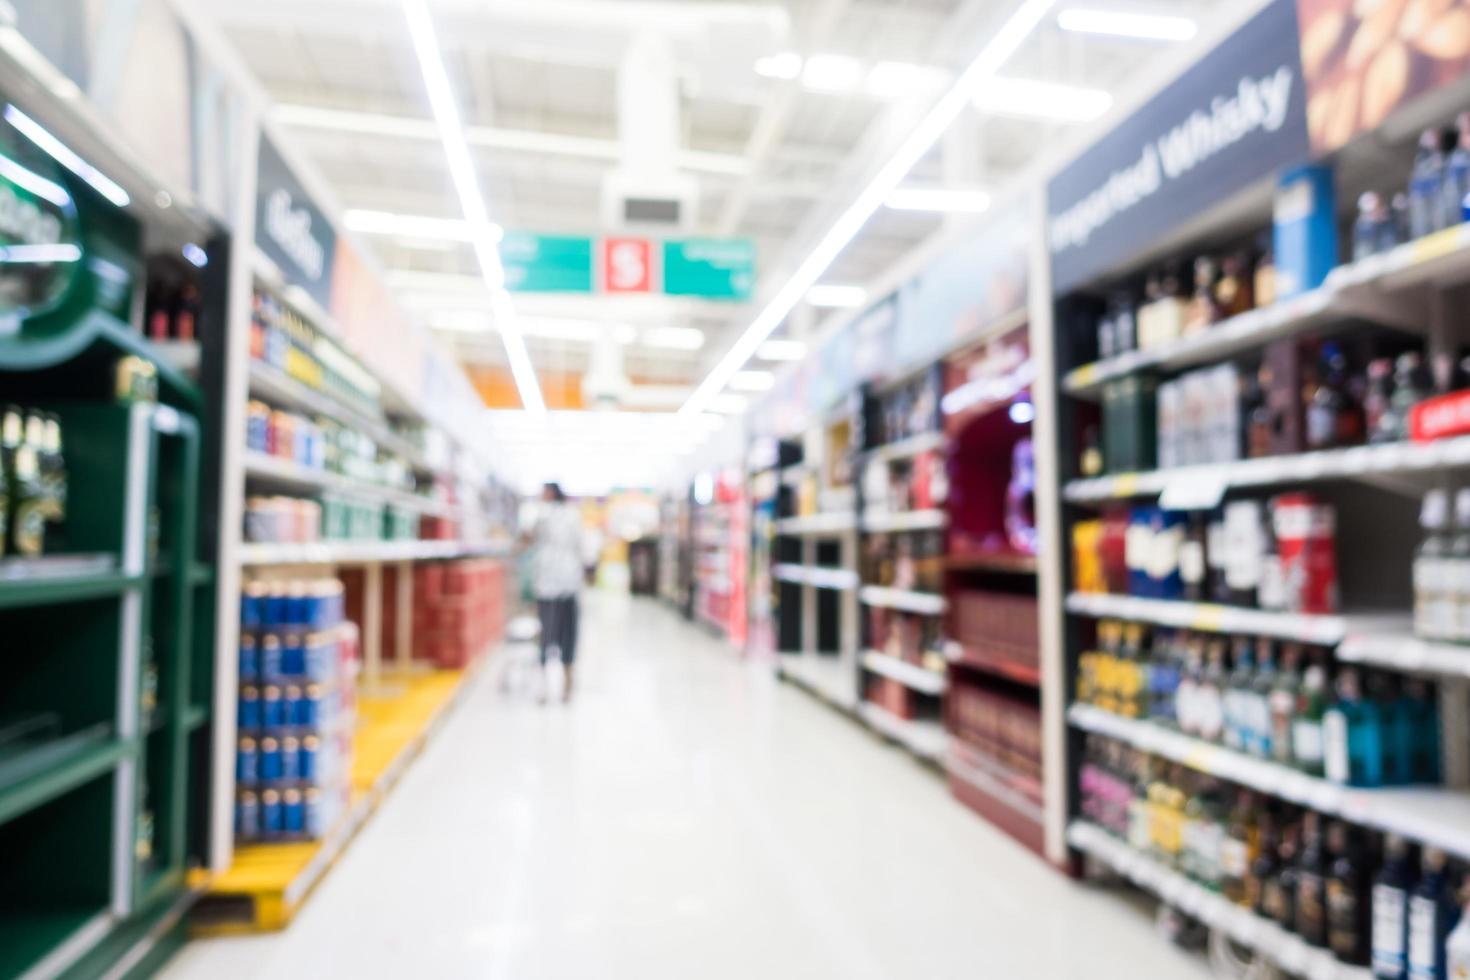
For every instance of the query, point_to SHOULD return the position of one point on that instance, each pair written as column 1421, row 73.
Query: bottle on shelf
column 1311, row 883
column 1202, row 310
column 1390, row 899
column 1456, row 183
column 1210, row 698
column 1308, row 738
column 1239, row 696
column 1426, row 185
column 1353, row 735
column 1457, row 565
column 1265, row 870
column 1348, row 921
column 1434, row 605
column 1368, row 227
column 53, row 476
column 1410, row 387
column 1260, row 727
column 1432, row 914
column 27, row 524
column 1282, row 703
column 1240, row 848
column 1279, row 888
column 1377, row 411
column 1333, row 416
column 1457, row 944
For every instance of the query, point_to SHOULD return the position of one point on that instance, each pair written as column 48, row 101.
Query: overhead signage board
column 547, row 263
column 290, row 229
column 710, row 268
column 1235, row 117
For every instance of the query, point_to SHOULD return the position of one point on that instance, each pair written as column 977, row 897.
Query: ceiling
column 537, row 85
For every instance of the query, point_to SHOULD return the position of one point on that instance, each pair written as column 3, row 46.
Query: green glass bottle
column 27, row 517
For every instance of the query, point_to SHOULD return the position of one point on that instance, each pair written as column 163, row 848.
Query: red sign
column 627, row 265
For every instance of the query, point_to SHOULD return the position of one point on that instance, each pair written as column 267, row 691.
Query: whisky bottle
column 1390, row 931
column 1311, row 883
column 1347, row 904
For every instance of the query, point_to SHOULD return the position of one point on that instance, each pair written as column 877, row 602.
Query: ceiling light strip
column 472, row 201
column 995, row 54
column 1119, row 23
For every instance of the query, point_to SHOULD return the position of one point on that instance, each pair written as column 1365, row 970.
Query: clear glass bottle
column 1426, row 183
column 1435, row 609
column 1377, row 414
column 1307, row 735
column 1282, row 703
column 1390, row 931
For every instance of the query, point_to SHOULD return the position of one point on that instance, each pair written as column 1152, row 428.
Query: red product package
column 1306, row 530
column 1437, row 418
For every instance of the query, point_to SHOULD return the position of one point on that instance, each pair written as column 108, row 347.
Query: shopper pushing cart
column 556, row 578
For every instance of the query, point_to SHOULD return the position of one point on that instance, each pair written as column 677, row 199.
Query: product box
column 1282, row 380
column 1129, row 434
column 1306, row 531
column 1304, row 229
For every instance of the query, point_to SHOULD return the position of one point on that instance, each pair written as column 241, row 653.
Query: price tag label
column 1433, row 246
column 1194, row 491
column 1125, row 485
column 1208, row 619
column 1083, row 376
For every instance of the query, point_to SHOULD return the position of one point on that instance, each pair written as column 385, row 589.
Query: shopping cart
column 521, row 674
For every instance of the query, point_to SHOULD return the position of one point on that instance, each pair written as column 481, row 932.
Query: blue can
column 309, row 708
column 311, row 802
column 270, row 814
column 247, row 815
column 253, row 606
column 333, row 607
column 290, row 705
column 290, row 759
column 249, row 713
column 316, row 601
column 293, row 655
column 308, row 762
column 293, row 813
column 249, row 658
column 298, row 609
column 271, row 666
column 270, row 760
column 247, row 762
column 277, row 607
column 272, row 708
column 321, row 655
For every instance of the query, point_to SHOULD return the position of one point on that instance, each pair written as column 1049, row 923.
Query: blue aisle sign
column 711, row 268
column 1234, row 118
column 290, row 229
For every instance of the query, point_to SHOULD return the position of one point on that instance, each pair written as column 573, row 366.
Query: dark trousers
column 558, row 627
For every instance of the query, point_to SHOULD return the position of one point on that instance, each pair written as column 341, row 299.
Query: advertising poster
column 1363, row 61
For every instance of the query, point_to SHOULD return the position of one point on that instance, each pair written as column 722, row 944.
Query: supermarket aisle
column 687, row 816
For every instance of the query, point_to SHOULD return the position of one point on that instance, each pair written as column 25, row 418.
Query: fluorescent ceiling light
column 946, row 200
column 413, row 226
column 978, row 75
column 784, row 65
column 197, row 257
column 63, row 155
column 38, row 254
column 781, row 350
column 898, row 79
column 752, row 381
column 1033, row 99
column 462, row 170
column 832, row 73
column 46, row 190
column 834, row 297
column 673, row 338
column 1151, row 27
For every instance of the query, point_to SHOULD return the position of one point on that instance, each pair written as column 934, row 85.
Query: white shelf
column 1209, row 617
column 925, row 603
column 912, row 676
column 181, row 355
column 830, row 678
column 1442, row 258
column 912, row 520
column 1403, row 651
column 1430, row 815
column 363, row 552
column 907, row 448
column 290, row 473
column 821, row 578
column 836, row 522
column 925, row 739
column 1358, row 462
column 1287, row 950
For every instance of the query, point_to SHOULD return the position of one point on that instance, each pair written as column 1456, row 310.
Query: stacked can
column 297, row 666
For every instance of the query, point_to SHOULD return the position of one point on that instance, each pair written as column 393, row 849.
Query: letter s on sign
column 627, row 265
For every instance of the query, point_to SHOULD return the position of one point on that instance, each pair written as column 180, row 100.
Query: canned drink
column 249, row 711
column 320, row 656
column 308, row 762
column 309, row 708
column 333, row 605
column 270, row 760
column 311, row 804
column 272, row 708
column 252, row 605
column 271, row 667
column 270, row 813
column 293, row 655
column 276, row 606
column 247, row 762
column 293, row 813
column 247, row 815
column 296, row 605
column 316, row 605
column 249, row 657
column 290, row 759
column 290, row 704
column 257, row 426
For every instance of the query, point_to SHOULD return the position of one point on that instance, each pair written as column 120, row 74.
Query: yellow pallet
column 265, row 886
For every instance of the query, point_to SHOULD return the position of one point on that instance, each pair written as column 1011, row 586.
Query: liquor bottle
column 1456, row 183
column 1192, row 563
column 1416, row 732
column 12, row 430
column 1243, row 535
column 1425, row 183
column 1265, row 869
column 1376, row 410
column 1367, row 227
column 1333, row 417
column 1238, row 695
column 1163, row 677
column 1239, row 849
column 1132, row 684
column 1210, row 698
column 1347, row 908
column 186, row 313
column 1391, row 888
column 1258, row 706
column 1235, row 292
column 1311, row 883
column 1434, row 606
column 1282, row 703
column 1432, row 913
column 27, row 498
column 1278, row 893
column 1204, row 816
column 1410, row 387
column 1307, row 735
column 53, row 475
column 1140, row 811
column 1191, row 676
column 1457, row 563
column 1125, row 332
column 1203, row 309
column 1457, row 944
column 1353, row 735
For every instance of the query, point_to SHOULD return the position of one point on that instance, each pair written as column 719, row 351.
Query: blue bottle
column 1419, row 732
column 1456, row 174
column 1426, row 183
column 1432, row 914
column 1368, row 226
column 1353, row 735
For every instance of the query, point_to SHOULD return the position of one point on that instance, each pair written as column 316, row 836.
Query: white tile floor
column 686, row 817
